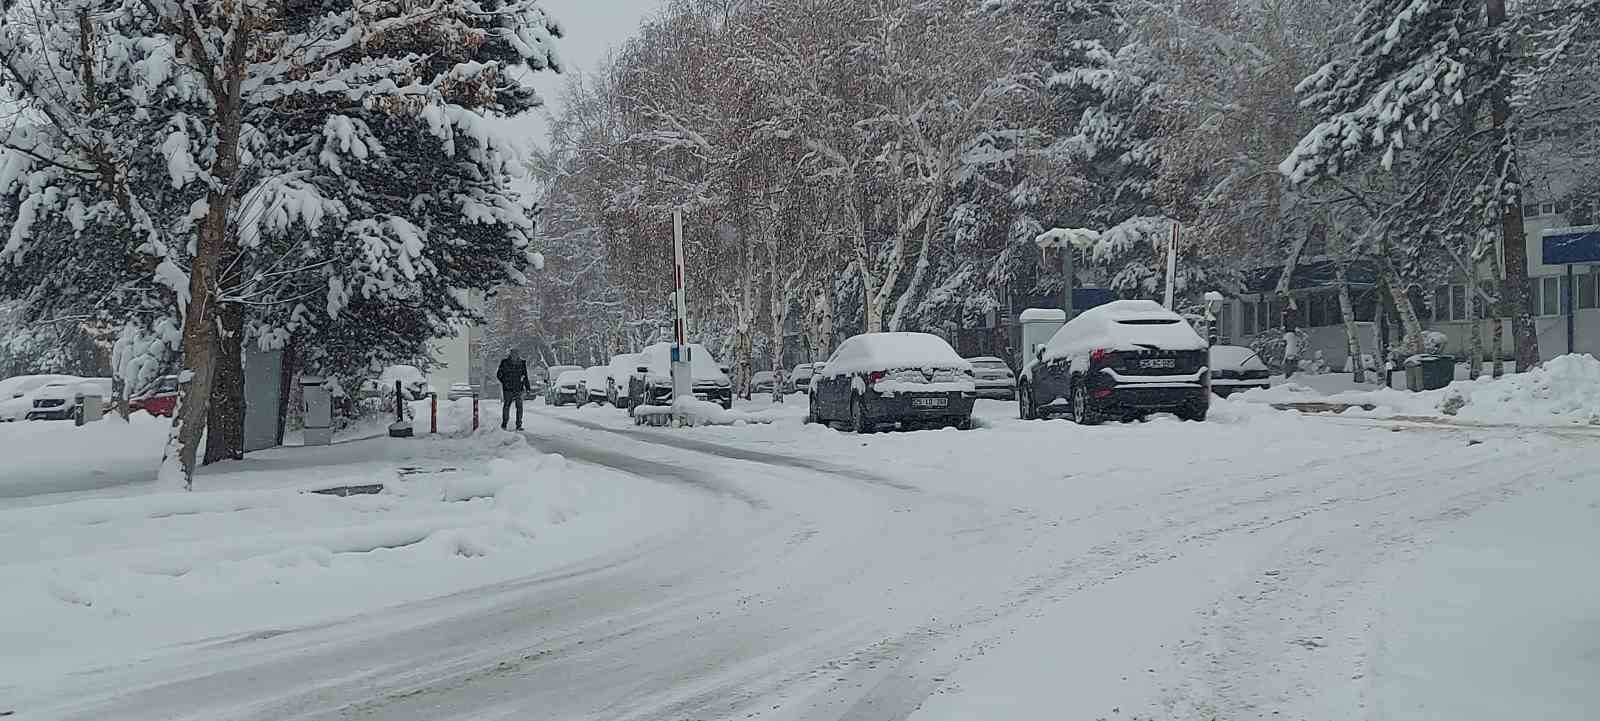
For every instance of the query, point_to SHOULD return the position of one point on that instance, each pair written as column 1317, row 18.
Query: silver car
column 994, row 378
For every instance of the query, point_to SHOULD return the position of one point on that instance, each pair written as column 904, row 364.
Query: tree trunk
column 1411, row 342
column 918, row 276
column 225, row 421
column 1512, row 232
column 1499, row 343
column 1475, row 331
column 119, row 393
column 1352, row 338
column 198, row 368
column 824, row 338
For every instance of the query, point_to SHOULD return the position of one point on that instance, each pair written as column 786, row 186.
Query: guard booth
column 318, row 411
column 263, row 399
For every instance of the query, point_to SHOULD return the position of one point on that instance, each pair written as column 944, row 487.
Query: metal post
column 399, row 404
column 433, row 413
column 1172, row 262
column 1069, row 277
column 682, row 380
column 1570, row 299
column 474, row 413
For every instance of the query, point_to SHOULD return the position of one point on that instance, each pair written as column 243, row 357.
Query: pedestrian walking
column 513, row 377
column 1291, row 341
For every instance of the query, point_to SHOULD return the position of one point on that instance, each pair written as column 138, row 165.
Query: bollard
column 399, row 404
column 474, row 413
column 433, row 413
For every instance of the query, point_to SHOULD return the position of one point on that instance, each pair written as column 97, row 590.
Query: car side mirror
column 1038, row 353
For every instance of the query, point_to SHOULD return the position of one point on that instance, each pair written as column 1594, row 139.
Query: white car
column 993, row 378
column 617, row 375
column 565, row 389
column 1236, row 368
column 63, row 401
column 16, row 394
column 595, row 387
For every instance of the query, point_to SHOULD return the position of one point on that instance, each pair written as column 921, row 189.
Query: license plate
column 1158, row 363
column 930, row 402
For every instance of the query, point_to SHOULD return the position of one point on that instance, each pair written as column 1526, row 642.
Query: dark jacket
column 513, row 375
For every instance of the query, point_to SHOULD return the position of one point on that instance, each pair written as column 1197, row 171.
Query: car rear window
column 1149, row 321
column 993, row 365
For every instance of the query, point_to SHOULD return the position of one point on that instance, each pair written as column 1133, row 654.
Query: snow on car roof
column 871, row 352
column 597, row 376
column 572, row 376
column 659, row 359
column 1044, row 314
column 1123, row 325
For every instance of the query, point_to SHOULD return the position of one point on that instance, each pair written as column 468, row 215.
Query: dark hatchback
column 903, row 379
column 1121, row 361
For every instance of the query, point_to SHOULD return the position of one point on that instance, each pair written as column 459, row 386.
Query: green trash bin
column 1430, row 372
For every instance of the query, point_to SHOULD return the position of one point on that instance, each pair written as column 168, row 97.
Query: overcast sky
column 593, row 27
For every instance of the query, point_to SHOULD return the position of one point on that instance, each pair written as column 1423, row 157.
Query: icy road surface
column 1263, row 565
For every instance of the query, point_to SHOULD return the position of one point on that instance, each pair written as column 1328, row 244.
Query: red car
column 160, row 401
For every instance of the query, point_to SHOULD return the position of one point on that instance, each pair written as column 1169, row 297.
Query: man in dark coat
column 513, row 377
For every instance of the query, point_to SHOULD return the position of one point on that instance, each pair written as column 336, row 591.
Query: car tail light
column 875, row 376
column 1102, row 393
column 1099, row 356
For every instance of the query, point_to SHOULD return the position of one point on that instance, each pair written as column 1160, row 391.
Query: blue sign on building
column 1086, row 298
column 1572, row 245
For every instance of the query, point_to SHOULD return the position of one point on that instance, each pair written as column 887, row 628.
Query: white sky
column 592, row 27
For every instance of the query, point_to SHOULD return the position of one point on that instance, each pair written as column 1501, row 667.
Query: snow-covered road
column 1250, row 567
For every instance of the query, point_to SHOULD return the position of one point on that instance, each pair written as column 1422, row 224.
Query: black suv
column 1120, row 361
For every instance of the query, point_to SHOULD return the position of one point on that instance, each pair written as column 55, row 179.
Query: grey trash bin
column 1430, row 372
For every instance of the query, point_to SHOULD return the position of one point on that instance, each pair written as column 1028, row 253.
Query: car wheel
column 1025, row 408
column 811, row 411
column 859, row 422
column 727, row 405
column 1083, row 410
column 964, row 424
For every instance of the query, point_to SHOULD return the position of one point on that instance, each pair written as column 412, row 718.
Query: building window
column 1547, row 208
column 1441, row 303
column 1587, row 297
column 1530, row 210
column 1547, row 295
column 1364, row 306
column 1458, row 302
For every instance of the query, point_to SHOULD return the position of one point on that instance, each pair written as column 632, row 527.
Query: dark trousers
column 505, row 410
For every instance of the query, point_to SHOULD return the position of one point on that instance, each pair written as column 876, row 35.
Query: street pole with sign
column 682, row 368
column 1172, row 262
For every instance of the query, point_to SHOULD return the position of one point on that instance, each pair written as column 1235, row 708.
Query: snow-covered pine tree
column 348, row 143
column 1430, row 93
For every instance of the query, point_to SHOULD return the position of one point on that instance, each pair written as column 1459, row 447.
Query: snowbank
column 55, row 456
column 119, row 577
column 703, row 413
column 1563, row 391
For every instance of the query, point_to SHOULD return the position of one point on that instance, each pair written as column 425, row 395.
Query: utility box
column 318, row 411
column 91, row 409
column 1039, row 325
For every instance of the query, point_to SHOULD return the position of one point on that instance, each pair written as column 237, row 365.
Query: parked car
column 161, row 400
column 565, row 389
column 1237, row 368
column 1122, row 360
column 877, row 379
column 651, row 381
column 595, row 385
column 461, row 390
column 413, row 383
column 993, row 378
column 552, row 375
column 763, row 381
column 16, row 394
column 799, row 379
column 63, row 401
column 621, row 368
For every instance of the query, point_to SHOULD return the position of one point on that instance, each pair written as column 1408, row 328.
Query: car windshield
column 991, row 365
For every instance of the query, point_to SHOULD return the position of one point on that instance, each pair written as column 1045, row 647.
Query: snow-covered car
column 1237, row 368
column 565, row 389
column 16, row 394
column 552, row 389
column 651, row 382
column 63, row 401
column 877, row 379
column 993, row 378
column 1122, row 360
column 799, row 379
column 763, row 381
column 413, row 383
column 461, row 390
column 161, row 400
column 595, row 384
column 620, row 369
